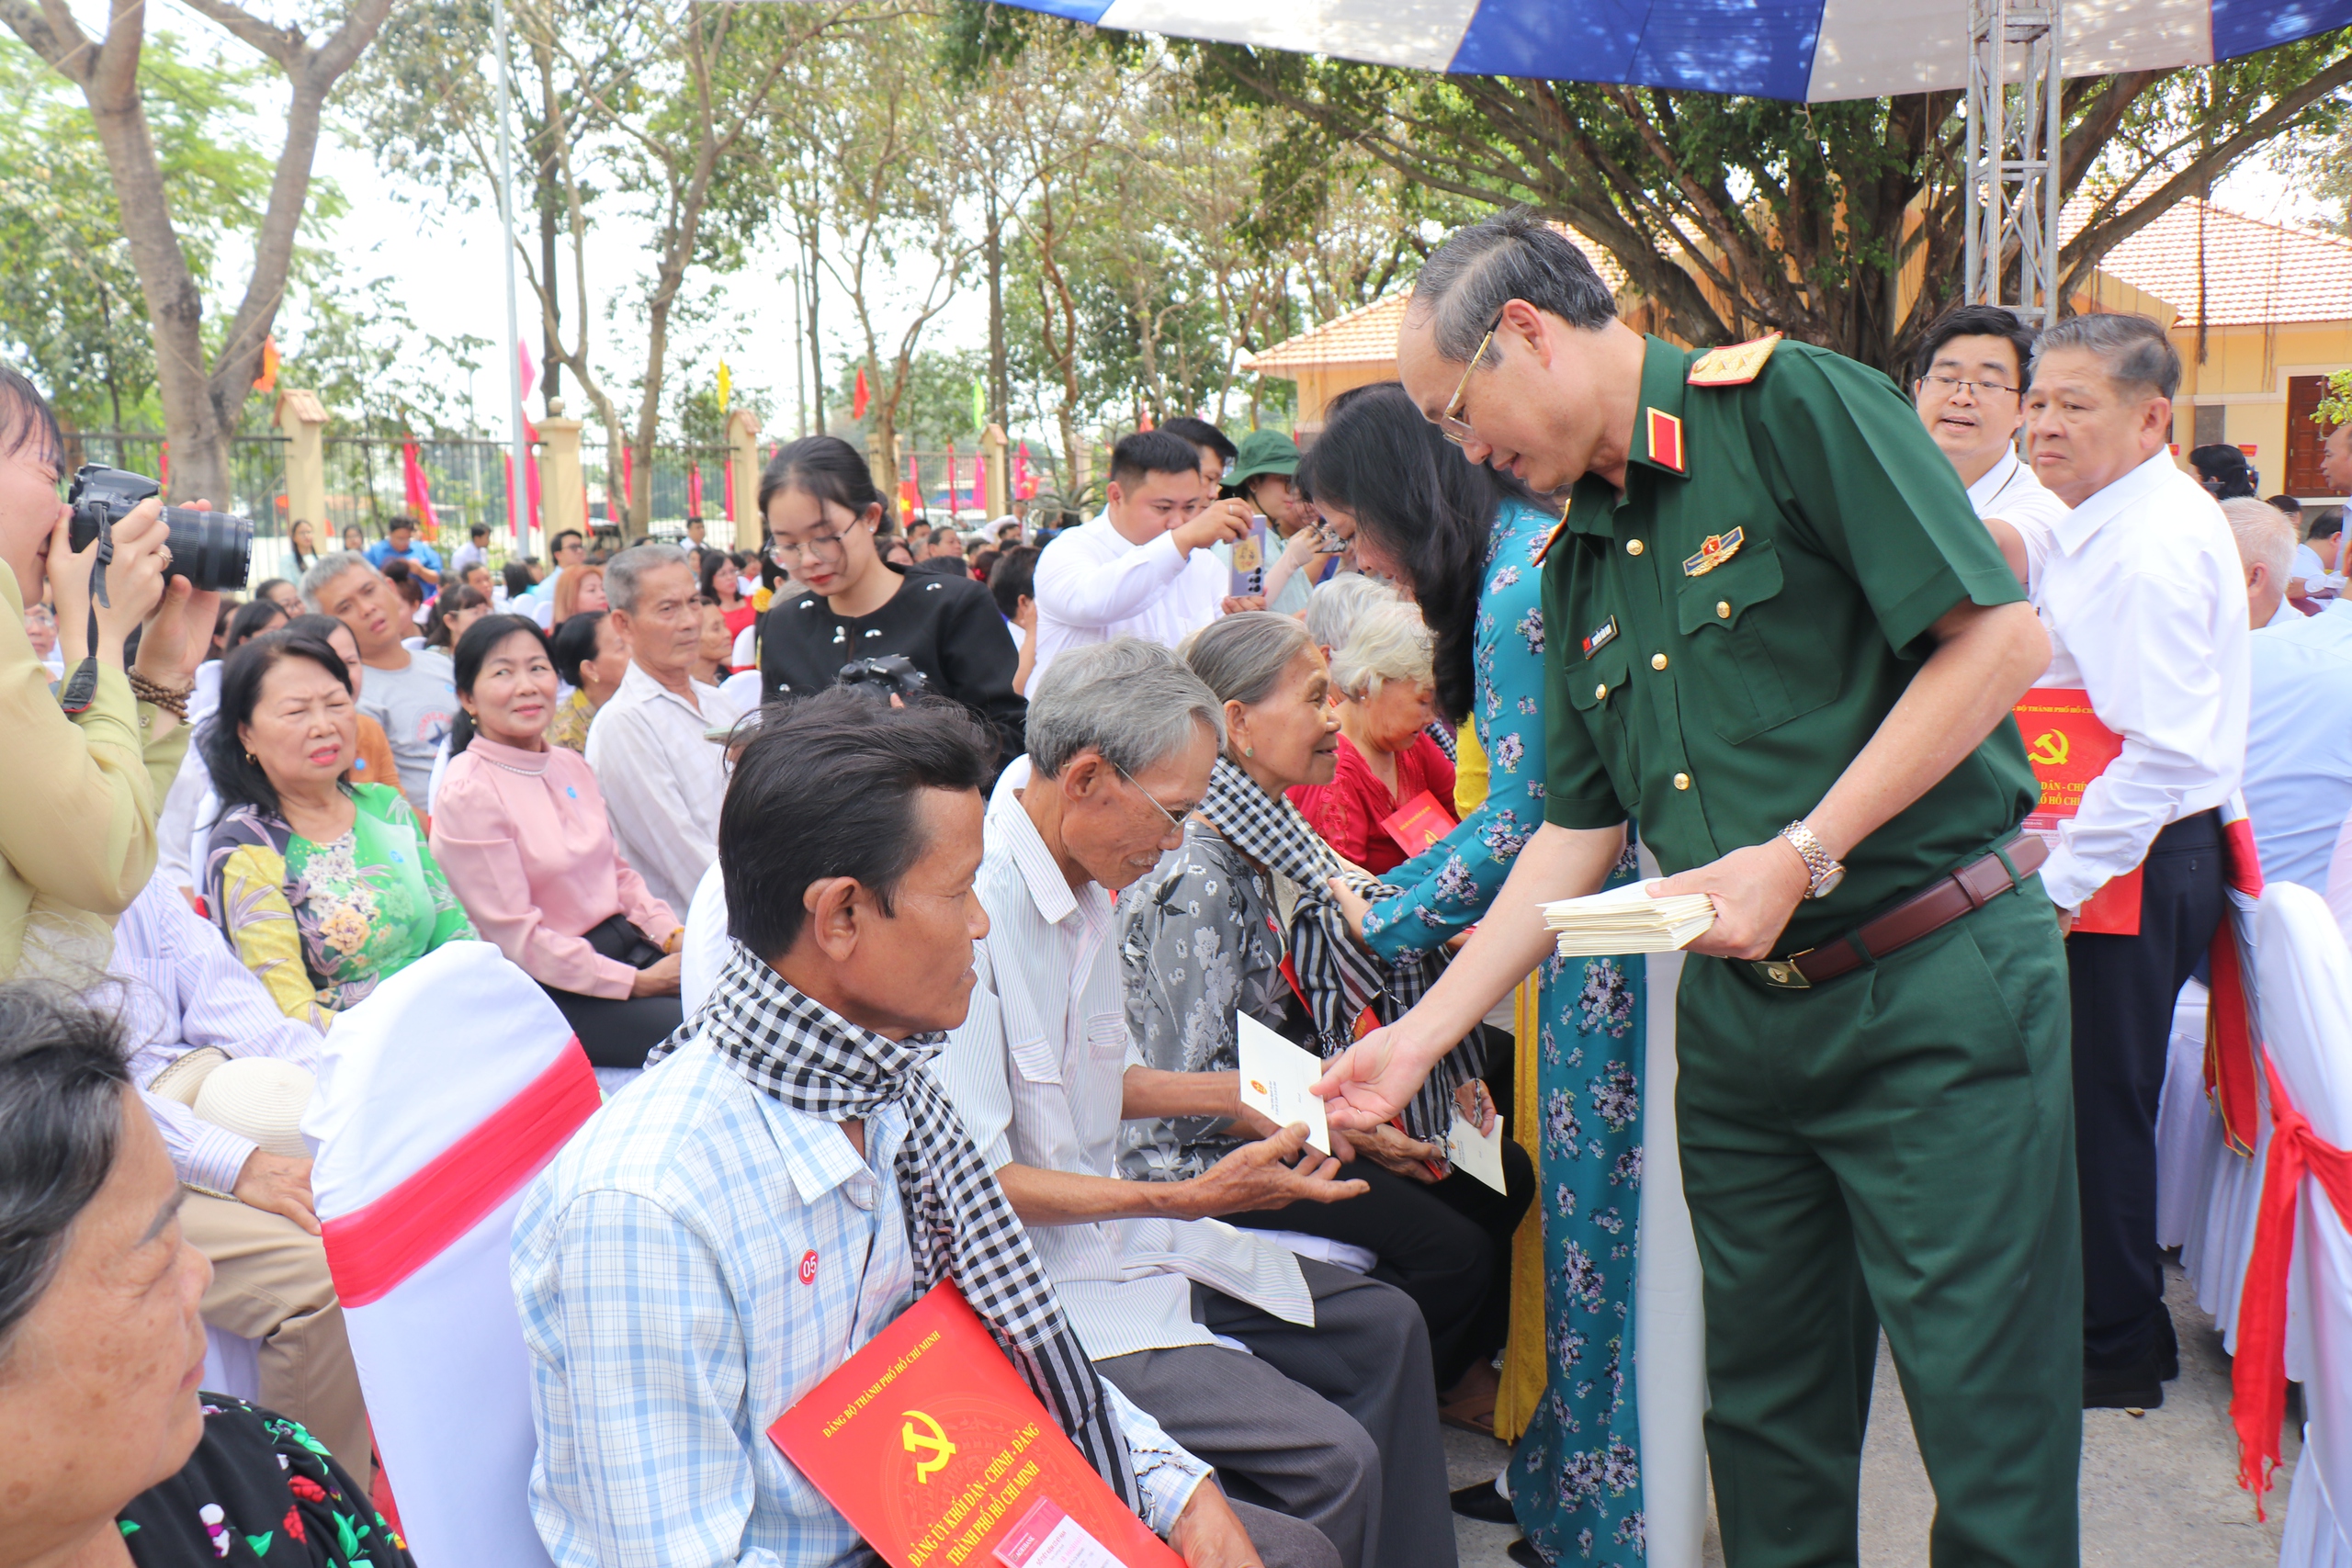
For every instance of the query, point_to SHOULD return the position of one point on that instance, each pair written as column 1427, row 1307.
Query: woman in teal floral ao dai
column 1466, row 544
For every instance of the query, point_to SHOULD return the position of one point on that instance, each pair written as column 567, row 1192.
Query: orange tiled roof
column 1367, row 336
column 2255, row 272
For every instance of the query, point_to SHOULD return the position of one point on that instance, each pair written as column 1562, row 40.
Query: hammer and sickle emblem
column 933, row 1442
column 2049, row 749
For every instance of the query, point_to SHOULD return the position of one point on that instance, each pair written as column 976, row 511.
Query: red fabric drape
column 2258, row 1377
column 2229, row 1020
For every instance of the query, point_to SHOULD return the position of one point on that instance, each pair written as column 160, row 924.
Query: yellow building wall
column 2244, row 373
column 1318, row 385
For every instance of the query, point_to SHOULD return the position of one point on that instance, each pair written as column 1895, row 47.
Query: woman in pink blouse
column 520, row 832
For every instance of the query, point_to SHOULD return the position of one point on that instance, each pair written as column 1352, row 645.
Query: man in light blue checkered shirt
column 709, row 1246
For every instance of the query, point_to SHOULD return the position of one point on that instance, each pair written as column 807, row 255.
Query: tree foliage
column 202, row 378
column 1735, row 215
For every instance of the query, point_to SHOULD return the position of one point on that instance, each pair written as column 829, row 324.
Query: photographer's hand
column 134, row 584
column 177, row 637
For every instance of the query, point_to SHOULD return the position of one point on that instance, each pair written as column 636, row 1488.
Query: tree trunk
column 200, row 402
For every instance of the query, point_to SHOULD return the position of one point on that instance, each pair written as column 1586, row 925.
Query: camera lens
column 214, row 550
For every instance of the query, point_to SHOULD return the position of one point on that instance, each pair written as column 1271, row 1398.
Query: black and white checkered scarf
column 958, row 1223
column 1339, row 979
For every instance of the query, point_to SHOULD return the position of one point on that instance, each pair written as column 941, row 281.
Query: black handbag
column 614, row 937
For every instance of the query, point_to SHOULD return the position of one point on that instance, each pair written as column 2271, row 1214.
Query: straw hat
column 259, row 1098
column 184, row 1078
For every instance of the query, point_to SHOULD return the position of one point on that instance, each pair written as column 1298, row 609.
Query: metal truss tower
column 2013, row 145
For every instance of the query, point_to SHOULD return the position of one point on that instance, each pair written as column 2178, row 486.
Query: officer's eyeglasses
column 1457, row 429
column 1948, row 384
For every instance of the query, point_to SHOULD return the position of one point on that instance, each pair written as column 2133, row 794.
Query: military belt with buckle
column 1951, row 897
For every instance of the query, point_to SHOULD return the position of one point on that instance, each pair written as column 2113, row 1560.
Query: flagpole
column 518, row 505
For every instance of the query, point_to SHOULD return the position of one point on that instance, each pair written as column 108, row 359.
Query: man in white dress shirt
column 1970, row 391
column 2145, row 605
column 2298, row 746
column 1330, row 1416
column 662, row 780
column 247, row 1210
column 1143, row 568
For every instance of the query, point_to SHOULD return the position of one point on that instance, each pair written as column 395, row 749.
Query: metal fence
column 467, row 477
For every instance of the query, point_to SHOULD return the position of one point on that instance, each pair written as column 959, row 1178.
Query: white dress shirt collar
column 1040, row 873
column 2143, row 484
column 1988, row 484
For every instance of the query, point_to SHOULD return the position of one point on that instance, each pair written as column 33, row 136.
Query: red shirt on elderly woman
column 1349, row 810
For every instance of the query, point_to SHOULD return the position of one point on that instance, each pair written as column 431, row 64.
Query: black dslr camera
column 214, row 550
column 891, row 676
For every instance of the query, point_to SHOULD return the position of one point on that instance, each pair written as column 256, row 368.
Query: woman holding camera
column 323, row 886
column 823, row 515
column 77, row 820
column 521, row 830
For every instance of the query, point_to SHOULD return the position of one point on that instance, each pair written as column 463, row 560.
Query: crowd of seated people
column 947, row 973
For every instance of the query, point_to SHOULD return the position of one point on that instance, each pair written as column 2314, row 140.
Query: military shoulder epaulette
column 1733, row 366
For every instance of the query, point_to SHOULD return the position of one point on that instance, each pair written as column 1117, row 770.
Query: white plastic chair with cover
column 2307, row 1021
column 2220, row 1234
column 2188, row 1132
column 439, row 1097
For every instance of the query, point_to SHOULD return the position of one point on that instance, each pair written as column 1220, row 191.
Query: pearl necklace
column 538, row 772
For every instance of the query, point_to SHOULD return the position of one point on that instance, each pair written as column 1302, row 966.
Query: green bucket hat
column 1263, row 452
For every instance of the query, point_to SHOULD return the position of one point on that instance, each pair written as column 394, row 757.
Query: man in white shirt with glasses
column 1970, row 391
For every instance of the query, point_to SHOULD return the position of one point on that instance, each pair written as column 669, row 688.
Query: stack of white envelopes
column 1627, row 920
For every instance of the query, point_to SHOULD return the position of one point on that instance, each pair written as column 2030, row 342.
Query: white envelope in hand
column 1278, row 1078
column 1480, row 1154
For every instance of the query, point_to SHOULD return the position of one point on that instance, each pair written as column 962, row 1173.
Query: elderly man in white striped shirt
column 248, row 1210
column 1307, row 1386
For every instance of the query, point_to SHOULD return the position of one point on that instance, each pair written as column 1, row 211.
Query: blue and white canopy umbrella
column 1810, row 50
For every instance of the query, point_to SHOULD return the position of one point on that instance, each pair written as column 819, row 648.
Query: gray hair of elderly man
column 1482, row 268
column 325, row 570
column 1334, row 607
column 626, row 571
column 1390, row 643
column 2264, row 535
column 1135, row 702
column 2137, row 352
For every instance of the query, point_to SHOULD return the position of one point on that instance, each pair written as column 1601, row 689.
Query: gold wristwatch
column 1826, row 873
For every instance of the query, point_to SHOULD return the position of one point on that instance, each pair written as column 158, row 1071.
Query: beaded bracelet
column 170, row 702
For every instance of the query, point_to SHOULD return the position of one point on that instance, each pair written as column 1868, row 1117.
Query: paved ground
column 2157, row 1489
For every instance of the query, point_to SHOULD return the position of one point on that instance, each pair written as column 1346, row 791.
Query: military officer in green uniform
column 1778, row 639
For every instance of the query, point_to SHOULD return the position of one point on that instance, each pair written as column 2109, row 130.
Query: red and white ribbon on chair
column 372, row 1250
column 2229, row 1020
column 440, row 1096
column 2258, row 1379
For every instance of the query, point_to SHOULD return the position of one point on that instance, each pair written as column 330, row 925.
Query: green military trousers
column 1892, row 1148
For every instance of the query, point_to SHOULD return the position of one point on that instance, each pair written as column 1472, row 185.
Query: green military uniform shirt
column 1726, row 635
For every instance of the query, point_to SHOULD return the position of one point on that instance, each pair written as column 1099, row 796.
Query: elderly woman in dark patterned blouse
column 1203, row 939
column 108, row 1455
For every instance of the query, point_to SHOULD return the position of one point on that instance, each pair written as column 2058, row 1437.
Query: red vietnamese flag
column 859, row 396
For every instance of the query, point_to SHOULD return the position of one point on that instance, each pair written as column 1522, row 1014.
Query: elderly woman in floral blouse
column 323, row 886
column 1217, row 928
column 1466, row 544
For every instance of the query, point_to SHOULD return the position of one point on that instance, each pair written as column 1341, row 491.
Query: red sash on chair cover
column 2229, row 1022
column 2258, row 1380
column 371, row 1251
